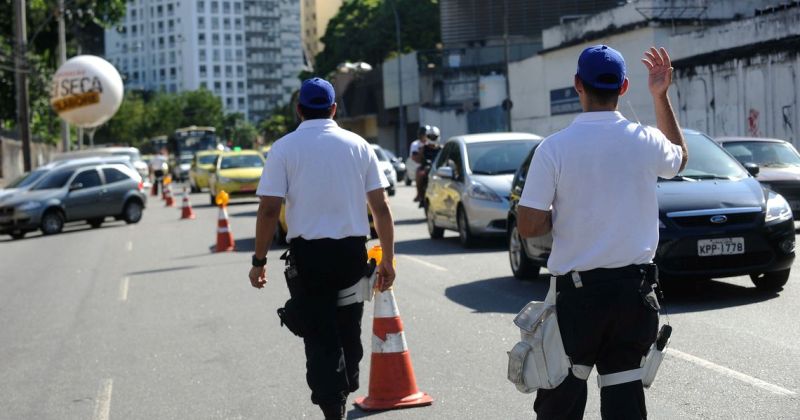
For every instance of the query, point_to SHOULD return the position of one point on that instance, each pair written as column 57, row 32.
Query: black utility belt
column 634, row 271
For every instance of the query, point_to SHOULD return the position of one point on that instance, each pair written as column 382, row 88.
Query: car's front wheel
column 18, row 235
column 772, row 281
column 434, row 231
column 464, row 233
column 52, row 222
column 521, row 266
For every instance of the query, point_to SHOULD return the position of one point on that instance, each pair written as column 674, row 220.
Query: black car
column 716, row 220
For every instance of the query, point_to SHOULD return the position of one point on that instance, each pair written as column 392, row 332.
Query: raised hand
column 659, row 66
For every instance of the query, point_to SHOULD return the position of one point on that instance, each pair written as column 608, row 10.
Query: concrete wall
column 11, row 163
column 451, row 123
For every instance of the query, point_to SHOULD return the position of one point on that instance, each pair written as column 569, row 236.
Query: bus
column 188, row 140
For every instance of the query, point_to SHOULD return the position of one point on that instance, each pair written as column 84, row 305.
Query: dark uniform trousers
column 332, row 334
column 605, row 323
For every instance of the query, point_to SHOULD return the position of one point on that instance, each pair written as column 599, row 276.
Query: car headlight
column 778, row 208
column 479, row 191
column 223, row 180
column 29, row 205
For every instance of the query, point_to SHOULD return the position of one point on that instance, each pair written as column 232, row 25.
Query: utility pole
column 62, row 57
column 401, row 109
column 507, row 103
column 21, row 80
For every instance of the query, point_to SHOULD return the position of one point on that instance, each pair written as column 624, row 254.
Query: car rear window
column 54, row 181
column 114, row 175
column 207, row 159
column 241, row 161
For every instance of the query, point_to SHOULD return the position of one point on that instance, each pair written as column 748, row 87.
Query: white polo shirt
column 324, row 173
column 415, row 145
column 600, row 177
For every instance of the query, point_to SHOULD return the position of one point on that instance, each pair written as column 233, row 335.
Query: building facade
column 316, row 14
column 247, row 52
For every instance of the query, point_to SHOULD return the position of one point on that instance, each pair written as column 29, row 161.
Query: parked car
column 386, row 166
column 399, row 166
column 469, row 184
column 778, row 162
column 715, row 220
column 236, row 173
column 74, row 192
column 29, row 179
column 131, row 152
column 181, row 166
column 201, row 168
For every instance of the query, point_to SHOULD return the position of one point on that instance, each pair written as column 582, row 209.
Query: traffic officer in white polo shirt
column 325, row 174
column 594, row 185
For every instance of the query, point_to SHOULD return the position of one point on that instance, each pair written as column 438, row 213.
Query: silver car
column 470, row 182
column 74, row 193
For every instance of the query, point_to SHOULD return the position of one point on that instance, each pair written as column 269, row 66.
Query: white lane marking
column 130, row 246
column 123, row 289
column 425, row 263
column 722, row 370
column 102, row 405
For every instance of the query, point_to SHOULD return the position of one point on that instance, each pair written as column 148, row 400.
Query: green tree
column 281, row 121
column 364, row 30
column 129, row 124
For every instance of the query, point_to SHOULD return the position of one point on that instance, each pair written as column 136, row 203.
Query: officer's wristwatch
column 259, row 262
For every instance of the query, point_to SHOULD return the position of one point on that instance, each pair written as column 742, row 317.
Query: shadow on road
column 499, row 294
column 245, row 214
column 357, row 413
column 684, row 296
column 509, row 295
column 409, row 222
column 69, row 228
column 447, row 246
column 162, row 270
column 244, row 245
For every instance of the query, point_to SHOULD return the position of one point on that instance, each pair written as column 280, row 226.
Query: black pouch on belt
column 649, row 285
column 290, row 313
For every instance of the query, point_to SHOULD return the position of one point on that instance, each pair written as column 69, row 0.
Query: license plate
column 720, row 246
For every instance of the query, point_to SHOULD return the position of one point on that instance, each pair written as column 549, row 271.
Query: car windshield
column 707, row 160
column 498, row 157
column 764, row 153
column 27, row 179
column 54, row 180
column 381, row 155
column 241, row 161
column 207, row 159
column 186, row 159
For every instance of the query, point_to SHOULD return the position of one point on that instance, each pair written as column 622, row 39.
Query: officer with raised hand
column 593, row 185
column 326, row 175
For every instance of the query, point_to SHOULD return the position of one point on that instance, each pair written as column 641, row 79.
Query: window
column 217, row 87
column 214, row 23
column 87, row 179
column 216, row 55
column 214, row 7
column 54, row 181
column 159, row 10
column 226, row 7
column 239, row 70
column 216, row 71
column 172, row 72
column 237, row 7
column 240, row 86
column 229, row 86
column 226, row 23
column 228, row 55
column 114, row 175
column 228, row 71
column 239, row 55
column 202, row 71
column 169, row 9
column 201, row 6
column 238, row 39
column 171, row 25
column 227, row 39
column 201, row 39
column 202, row 55
column 241, row 102
column 201, row 22
column 215, row 39
column 162, row 73
column 203, row 85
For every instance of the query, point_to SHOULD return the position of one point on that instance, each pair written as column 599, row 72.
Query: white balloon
column 86, row 91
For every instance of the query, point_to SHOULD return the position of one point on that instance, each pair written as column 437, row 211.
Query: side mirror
column 752, row 168
column 445, row 172
column 75, row 186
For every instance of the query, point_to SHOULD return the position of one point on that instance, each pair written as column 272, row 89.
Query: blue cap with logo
column 317, row 93
column 602, row 67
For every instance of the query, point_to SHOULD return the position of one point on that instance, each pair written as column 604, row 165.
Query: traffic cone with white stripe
column 168, row 191
column 224, row 235
column 392, row 383
column 186, row 206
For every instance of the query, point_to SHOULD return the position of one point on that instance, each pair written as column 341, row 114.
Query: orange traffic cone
column 224, row 235
column 186, row 206
column 392, row 383
column 168, row 191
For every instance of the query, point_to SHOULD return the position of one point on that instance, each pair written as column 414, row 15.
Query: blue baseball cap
column 317, row 93
column 602, row 67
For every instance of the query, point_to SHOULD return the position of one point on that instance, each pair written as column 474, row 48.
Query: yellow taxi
column 200, row 171
column 265, row 150
column 236, row 173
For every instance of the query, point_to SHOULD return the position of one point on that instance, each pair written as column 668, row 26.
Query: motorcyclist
column 425, row 156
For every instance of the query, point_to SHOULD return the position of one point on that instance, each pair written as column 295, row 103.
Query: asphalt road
column 145, row 322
